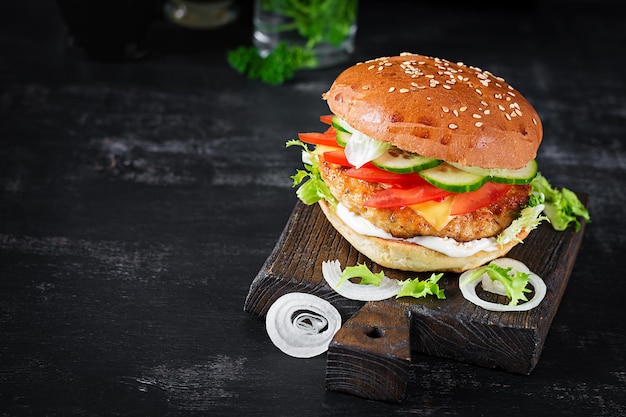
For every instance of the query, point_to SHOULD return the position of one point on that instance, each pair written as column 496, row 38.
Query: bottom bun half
column 408, row 256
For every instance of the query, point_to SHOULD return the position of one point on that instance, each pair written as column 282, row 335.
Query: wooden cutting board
column 370, row 356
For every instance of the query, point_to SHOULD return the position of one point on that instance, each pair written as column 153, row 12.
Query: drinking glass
column 327, row 28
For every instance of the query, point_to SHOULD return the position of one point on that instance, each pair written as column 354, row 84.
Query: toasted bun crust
column 438, row 109
column 407, row 256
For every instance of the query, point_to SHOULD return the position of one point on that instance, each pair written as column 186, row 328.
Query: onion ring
column 468, row 289
column 302, row 325
column 332, row 274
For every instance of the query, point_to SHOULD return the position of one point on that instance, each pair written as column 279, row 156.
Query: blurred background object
column 326, row 28
column 109, row 30
column 201, row 14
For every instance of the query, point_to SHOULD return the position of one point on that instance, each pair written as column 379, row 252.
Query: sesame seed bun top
column 438, row 109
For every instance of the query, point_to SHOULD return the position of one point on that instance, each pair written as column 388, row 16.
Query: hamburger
column 427, row 164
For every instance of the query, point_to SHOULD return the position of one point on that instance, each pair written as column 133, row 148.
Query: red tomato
column 473, row 200
column 373, row 174
column 315, row 138
column 400, row 197
column 337, row 157
column 327, row 119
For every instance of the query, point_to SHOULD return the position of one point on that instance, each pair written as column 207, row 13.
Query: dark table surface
column 138, row 200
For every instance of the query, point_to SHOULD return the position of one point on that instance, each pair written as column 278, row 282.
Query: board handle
column 370, row 356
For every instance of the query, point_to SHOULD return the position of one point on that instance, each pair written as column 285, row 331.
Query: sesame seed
column 392, row 89
column 456, row 113
column 446, row 86
column 452, row 126
column 534, row 121
column 507, row 116
column 476, row 116
column 445, row 109
column 478, row 124
column 501, row 107
column 487, row 111
column 365, row 87
column 479, row 92
column 463, row 108
column 518, row 112
column 371, row 67
column 404, row 90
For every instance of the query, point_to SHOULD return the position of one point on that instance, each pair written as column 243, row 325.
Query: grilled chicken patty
column 404, row 222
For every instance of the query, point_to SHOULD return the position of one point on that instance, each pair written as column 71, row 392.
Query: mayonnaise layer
column 447, row 246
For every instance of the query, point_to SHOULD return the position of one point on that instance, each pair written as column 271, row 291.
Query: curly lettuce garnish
column 363, row 272
column 312, row 186
column 529, row 219
column 417, row 288
column 561, row 206
column 514, row 283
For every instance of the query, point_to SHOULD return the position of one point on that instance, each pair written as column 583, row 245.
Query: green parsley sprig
column 280, row 65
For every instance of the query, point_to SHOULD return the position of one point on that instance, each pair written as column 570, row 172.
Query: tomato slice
column 315, row 138
column 337, row 157
column 401, row 197
column 489, row 193
column 373, row 174
column 327, row 119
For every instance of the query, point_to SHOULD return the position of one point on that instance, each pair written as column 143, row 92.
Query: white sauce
column 447, row 246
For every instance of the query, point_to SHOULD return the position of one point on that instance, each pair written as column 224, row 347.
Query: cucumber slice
column 342, row 137
column 403, row 162
column 522, row 175
column 340, row 125
column 450, row 178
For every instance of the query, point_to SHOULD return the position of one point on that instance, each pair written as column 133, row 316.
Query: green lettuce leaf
column 416, row 288
column 312, row 186
column 514, row 284
column 561, row 206
column 529, row 219
column 363, row 272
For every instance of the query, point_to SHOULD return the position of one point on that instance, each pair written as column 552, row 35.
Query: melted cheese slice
column 437, row 213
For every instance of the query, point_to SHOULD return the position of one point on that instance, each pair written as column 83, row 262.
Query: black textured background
column 138, row 201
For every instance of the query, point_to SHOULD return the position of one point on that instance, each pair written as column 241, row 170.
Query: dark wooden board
column 377, row 339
